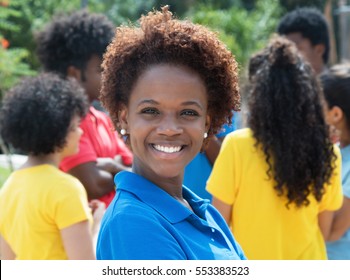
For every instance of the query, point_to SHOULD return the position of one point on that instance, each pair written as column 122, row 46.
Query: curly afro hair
column 71, row 40
column 36, row 114
column 336, row 88
column 287, row 120
column 312, row 25
column 162, row 39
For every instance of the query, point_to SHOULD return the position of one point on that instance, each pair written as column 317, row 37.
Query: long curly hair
column 162, row 39
column 36, row 114
column 73, row 39
column 287, row 121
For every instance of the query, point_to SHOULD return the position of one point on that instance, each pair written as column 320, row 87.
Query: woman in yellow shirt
column 277, row 183
column 44, row 212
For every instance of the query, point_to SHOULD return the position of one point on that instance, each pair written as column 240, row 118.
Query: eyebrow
column 148, row 101
column 194, row 103
column 187, row 103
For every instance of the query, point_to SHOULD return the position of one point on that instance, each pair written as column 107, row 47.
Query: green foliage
column 31, row 16
column 289, row 5
column 122, row 11
column 244, row 31
column 6, row 13
column 12, row 67
column 12, row 60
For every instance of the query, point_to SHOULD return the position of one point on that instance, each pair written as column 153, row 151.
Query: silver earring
column 122, row 131
column 205, row 135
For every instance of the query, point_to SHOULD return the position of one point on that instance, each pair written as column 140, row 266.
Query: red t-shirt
column 99, row 139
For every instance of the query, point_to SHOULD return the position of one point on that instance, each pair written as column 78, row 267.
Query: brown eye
column 189, row 113
column 150, row 111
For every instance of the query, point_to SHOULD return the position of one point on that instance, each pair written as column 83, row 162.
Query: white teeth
column 168, row 150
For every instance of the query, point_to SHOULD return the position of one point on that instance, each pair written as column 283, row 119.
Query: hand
column 111, row 165
column 120, row 165
column 98, row 209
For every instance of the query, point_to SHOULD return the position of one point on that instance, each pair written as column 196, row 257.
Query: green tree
column 31, row 16
column 243, row 30
column 289, row 5
column 12, row 58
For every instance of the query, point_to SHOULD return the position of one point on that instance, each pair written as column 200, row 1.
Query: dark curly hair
column 336, row 88
column 36, row 114
column 72, row 40
column 162, row 39
column 287, row 121
column 312, row 25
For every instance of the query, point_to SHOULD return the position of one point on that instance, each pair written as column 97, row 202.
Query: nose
column 169, row 126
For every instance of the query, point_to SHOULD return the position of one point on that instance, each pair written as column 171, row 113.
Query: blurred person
column 308, row 29
column 44, row 211
column 168, row 85
column 277, row 182
column 336, row 87
column 73, row 46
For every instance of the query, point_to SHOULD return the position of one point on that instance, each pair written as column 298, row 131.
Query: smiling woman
column 166, row 119
column 168, row 86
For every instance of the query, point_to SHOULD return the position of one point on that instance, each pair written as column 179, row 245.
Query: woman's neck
column 172, row 186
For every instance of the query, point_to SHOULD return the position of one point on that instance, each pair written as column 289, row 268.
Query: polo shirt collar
column 159, row 199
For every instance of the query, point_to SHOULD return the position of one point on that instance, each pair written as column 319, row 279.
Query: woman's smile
column 167, row 149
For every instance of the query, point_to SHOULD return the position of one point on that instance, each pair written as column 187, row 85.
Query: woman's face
column 333, row 117
column 166, row 119
column 73, row 137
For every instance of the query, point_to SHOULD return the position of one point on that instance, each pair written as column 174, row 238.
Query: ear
column 123, row 117
column 336, row 115
column 74, row 72
column 320, row 49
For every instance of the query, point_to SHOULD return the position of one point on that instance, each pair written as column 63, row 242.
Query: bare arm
column 98, row 210
column 6, row 252
column 341, row 222
column 77, row 241
column 224, row 209
column 97, row 178
column 325, row 220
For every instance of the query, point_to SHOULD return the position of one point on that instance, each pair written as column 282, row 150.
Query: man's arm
column 97, row 181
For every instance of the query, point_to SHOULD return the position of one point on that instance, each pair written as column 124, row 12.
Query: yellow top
column 35, row 204
column 261, row 223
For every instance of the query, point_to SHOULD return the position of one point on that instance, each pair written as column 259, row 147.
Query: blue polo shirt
column 144, row 222
column 340, row 249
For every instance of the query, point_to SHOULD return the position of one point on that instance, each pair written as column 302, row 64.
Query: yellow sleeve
column 333, row 197
column 221, row 183
column 71, row 204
